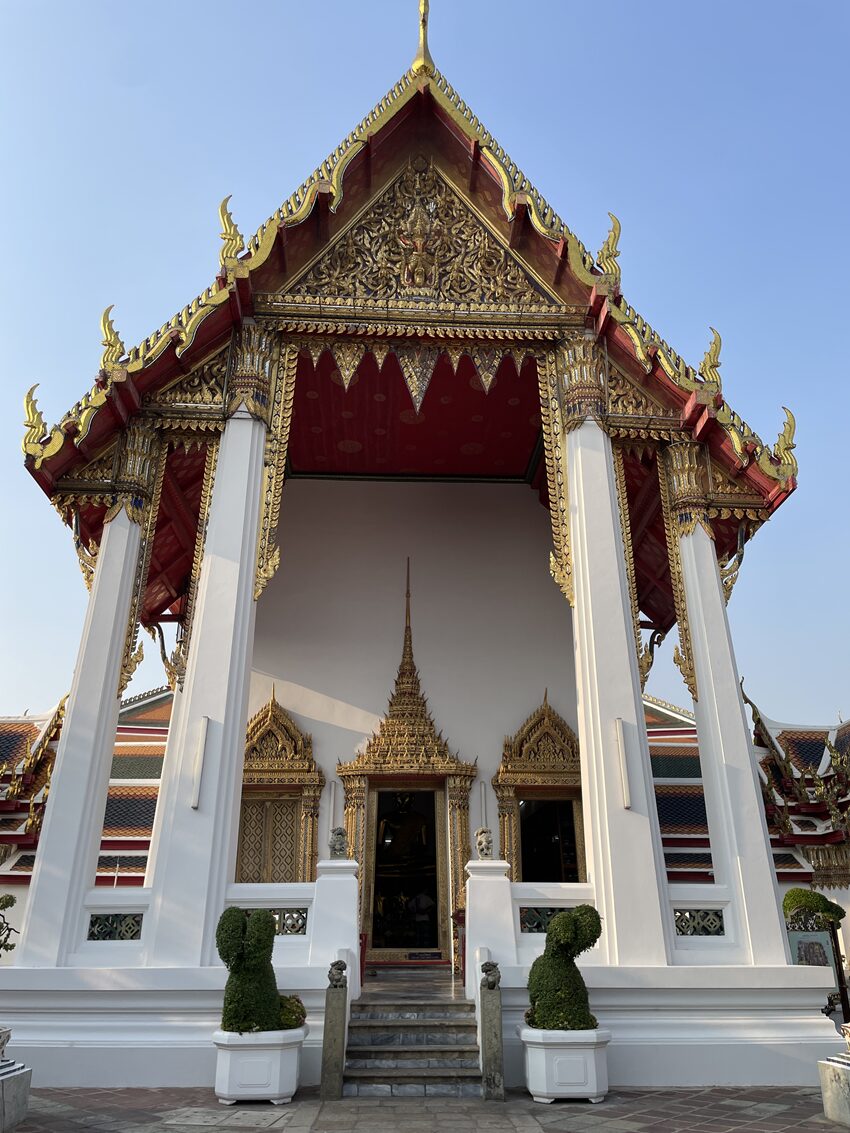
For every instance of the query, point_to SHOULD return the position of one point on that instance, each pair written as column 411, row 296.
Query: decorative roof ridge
column 686, row 712
column 777, row 463
column 151, row 694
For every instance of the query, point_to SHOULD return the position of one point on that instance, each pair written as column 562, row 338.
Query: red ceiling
column 373, row 429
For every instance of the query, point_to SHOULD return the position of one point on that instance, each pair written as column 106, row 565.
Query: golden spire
column 407, row 688
column 423, row 64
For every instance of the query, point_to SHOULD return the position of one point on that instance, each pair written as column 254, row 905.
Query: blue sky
column 716, row 132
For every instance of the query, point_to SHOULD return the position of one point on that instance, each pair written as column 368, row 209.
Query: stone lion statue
column 484, row 842
column 338, row 843
column 336, row 974
column 491, row 977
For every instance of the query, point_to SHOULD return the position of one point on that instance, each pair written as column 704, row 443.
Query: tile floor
column 762, row 1110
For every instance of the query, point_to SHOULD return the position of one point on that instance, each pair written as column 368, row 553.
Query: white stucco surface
column 491, row 631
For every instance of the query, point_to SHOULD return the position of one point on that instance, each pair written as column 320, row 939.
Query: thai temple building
column 412, row 440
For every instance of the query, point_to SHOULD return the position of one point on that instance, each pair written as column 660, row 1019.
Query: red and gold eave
column 421, row 114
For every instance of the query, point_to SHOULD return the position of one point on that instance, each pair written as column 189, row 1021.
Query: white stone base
column 14, row 1093
column 700, row 1026
column 565, row 1064
column 835, row 1087
column 135, row 1026
column 678, row 1026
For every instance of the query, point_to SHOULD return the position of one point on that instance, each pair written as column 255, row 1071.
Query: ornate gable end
column 419, row 241
column 277, row 752
column 544, row 746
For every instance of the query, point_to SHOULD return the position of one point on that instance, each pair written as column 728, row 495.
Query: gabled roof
column 591, row 285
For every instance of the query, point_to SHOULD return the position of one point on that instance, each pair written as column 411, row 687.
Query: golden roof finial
column 607, row 255
column 709, row 370
column 33, row 422
column 234, row 242
column 113, row 347
column 423, row 64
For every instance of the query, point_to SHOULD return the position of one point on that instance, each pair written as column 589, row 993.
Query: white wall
column 490, row 629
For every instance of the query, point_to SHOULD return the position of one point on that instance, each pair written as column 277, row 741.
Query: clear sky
column 717, row 132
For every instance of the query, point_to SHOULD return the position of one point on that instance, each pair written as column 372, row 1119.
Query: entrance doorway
column 406, row 886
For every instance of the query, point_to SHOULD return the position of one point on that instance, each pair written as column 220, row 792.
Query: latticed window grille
column 699, row 922
column 115, row 926
column 536, row 918
column 290, row 922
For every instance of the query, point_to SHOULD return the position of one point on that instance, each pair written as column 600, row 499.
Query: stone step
column 413, row 1057
column 419, row 1032
column 418, row 1088
column 460, row 1009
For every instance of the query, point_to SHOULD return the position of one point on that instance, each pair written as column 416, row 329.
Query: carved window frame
column 542, row 761
column 279, row 765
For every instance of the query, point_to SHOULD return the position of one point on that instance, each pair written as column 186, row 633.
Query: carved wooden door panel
column 268, row 839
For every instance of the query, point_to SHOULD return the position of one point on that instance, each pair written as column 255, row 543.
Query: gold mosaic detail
column 560, row 559
column 274, row 465
column 645, row 655
column 683, row 653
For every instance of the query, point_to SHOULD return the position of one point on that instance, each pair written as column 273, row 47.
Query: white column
column 193, row 843
column 625, row 862
column 740, row 846
column 73, row 822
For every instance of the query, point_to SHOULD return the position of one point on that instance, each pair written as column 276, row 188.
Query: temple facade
column 414, row 360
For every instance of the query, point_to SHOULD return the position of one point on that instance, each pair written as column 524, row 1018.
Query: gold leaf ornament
column 710, row 367
column 34, row 426
column 113, row 347
column 608, row 254
column 234, row 242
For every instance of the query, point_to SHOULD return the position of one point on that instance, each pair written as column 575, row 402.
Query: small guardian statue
column 491, row 976
column 484, row 842
column 338, row 843
column 336, row 974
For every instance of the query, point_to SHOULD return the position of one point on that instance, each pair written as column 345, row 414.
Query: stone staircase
column 410, row 1049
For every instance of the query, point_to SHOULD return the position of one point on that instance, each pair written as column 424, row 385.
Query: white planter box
column 565, row 1064
column 261, row 1066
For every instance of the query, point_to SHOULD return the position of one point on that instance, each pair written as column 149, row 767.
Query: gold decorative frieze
column 176, row 666
column 86, row 554
column 252, row 376
column 583, row 370
column 137, row 471
column 645, row 654
column 274, row 466
column 421, row 242
column 417, row 365
column 626, row 399
column 683, row 653
column 560, row 560
column 202, row 389
column 542, row 757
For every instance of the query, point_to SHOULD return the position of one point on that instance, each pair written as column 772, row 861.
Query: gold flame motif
column 607, row 255
column 709, row 368
column 234, row 243
column 113, row 347
column 34, row 425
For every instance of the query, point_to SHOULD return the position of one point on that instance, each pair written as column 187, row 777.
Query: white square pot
column 260, row 1066
column 565, row 1064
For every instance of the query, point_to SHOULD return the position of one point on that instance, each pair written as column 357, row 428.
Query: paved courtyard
column 624, row 1111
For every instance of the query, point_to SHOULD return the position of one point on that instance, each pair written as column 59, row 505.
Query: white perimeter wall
column 491, row 630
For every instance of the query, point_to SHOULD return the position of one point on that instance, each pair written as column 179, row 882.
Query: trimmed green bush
column 244, row 941
column 555, row 985
column 806, row 903
column 292, row 1012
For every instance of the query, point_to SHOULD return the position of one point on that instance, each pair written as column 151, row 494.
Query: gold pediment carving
column 420, row 241
column 543, row 752
column 627, row 399
column 203, row 387
column 278, row 753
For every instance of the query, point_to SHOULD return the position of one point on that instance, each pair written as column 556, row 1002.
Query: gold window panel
column 281, row 788
column 542, row 759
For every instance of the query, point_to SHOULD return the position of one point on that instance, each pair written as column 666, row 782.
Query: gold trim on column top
column 688, row 495
column 138, row 471
column 274, row 464
column 645, row 655
column 683, row 653
column 583, row 370
column 251, row 381
column 560, row 559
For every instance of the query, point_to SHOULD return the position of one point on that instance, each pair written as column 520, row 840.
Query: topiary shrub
column 555, row 985
column 806, row 909
column 292, row 1012
column 244, row 941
